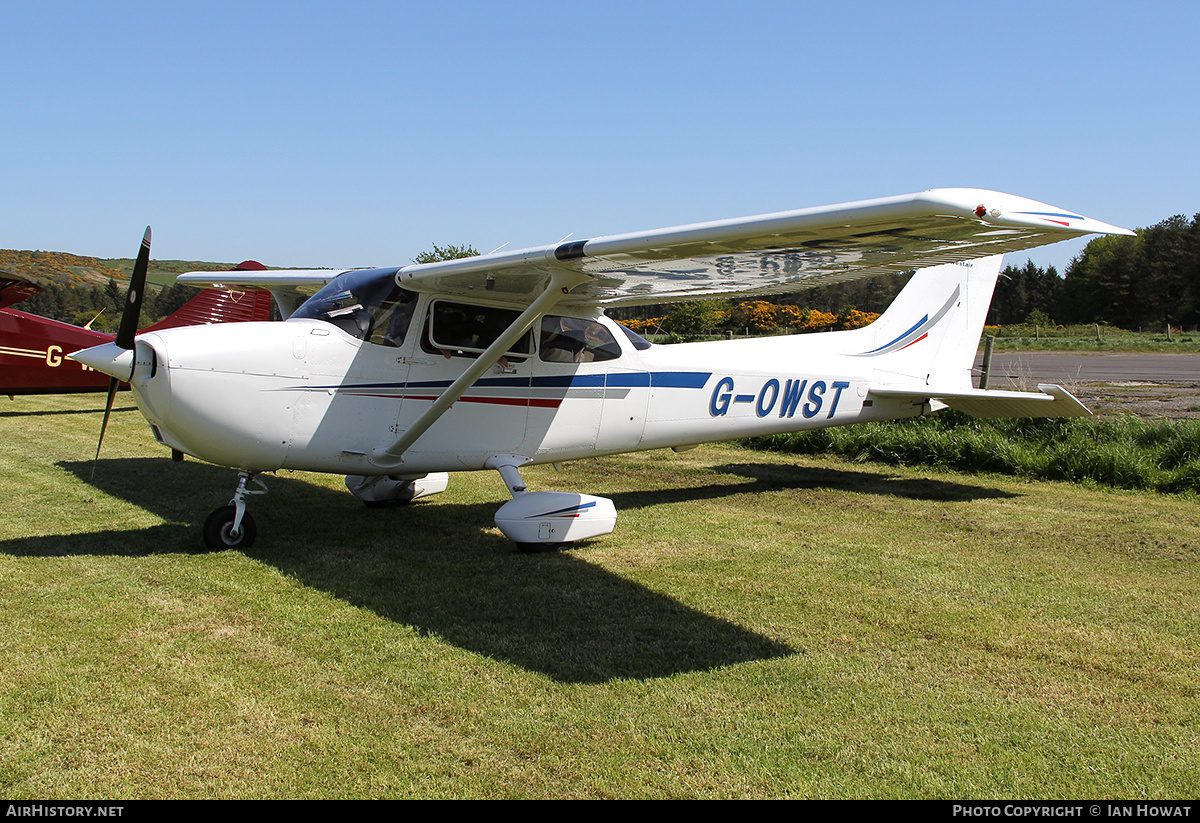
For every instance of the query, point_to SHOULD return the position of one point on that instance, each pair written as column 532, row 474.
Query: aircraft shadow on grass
column 773, row 477
column 432, row 565
column 52, row 412
column 436, row 566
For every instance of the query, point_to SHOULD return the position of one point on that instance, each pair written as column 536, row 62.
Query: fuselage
column 33, row 355
column 320, row 393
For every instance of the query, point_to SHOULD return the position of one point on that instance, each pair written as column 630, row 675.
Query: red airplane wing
column 14, row 289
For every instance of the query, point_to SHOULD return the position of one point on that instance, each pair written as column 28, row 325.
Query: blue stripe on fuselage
column 670, row 380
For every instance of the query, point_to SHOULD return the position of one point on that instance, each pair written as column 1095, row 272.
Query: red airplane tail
column 219, row 306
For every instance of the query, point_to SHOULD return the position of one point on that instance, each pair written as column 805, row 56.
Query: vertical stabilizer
column 930, row 333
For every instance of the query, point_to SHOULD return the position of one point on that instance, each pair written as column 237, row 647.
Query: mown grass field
column 1081, row 339
column 1110, row 342
column 759, row 625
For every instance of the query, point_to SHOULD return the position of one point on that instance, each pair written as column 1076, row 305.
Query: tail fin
column 930, row 333
column 219, row 306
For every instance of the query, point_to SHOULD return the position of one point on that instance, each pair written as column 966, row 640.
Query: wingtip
column 1002, row 209
column 1097, row 227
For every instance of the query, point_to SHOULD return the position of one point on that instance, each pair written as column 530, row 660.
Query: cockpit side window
column 392, row 319
column 365, row 304
column 576, row 340
column 462, row 329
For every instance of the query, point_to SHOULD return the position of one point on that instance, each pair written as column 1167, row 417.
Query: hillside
column 65, row 269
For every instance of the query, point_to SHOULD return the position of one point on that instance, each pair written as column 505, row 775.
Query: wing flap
column 1049, row 401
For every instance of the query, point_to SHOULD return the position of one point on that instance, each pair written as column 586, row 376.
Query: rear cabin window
column 575, row 340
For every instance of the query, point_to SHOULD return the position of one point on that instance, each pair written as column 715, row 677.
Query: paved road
column 1061, row 367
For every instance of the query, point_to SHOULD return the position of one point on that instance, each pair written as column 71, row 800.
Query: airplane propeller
column 127, row 330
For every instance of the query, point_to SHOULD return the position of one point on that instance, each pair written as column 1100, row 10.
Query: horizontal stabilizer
column 1052, row 401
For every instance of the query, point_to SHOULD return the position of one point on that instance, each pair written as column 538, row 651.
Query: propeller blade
column 127, row 330
column 133, row 298
column 112, row 394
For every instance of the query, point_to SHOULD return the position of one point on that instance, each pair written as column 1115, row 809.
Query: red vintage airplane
column 33, row 349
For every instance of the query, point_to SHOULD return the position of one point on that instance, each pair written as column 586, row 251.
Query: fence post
column 987, row 361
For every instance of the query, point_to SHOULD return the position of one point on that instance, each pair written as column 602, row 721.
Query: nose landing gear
column 231, row 526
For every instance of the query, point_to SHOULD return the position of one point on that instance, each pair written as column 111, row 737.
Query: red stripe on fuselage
column 541, row 403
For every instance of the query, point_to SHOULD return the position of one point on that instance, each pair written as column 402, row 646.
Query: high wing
column 760, row 255
column 771, row 253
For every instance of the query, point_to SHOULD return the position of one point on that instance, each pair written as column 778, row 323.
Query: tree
column 758, row 316
column 694, row 318
column 113, row 295
column 1170, row 253
column 440, row 253
column 1138, row 281
column 1022, row 291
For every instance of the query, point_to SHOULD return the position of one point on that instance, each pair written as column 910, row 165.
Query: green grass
column 1083, row 338
column 1125, row 452
column 1079, row 339
column 759, row 625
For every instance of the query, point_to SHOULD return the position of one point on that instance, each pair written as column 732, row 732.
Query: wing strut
column 561, row 282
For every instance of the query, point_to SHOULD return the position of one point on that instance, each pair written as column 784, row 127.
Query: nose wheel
column 220, row 533
column 231, row 526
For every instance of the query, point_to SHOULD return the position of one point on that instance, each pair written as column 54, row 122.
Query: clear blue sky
column 357, row 133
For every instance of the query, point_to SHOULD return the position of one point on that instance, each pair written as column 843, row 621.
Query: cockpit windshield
column 366, row 304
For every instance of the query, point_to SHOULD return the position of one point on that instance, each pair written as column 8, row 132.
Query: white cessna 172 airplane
column 397, row 376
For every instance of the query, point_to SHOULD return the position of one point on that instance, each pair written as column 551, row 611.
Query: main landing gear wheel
column 219, row 534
